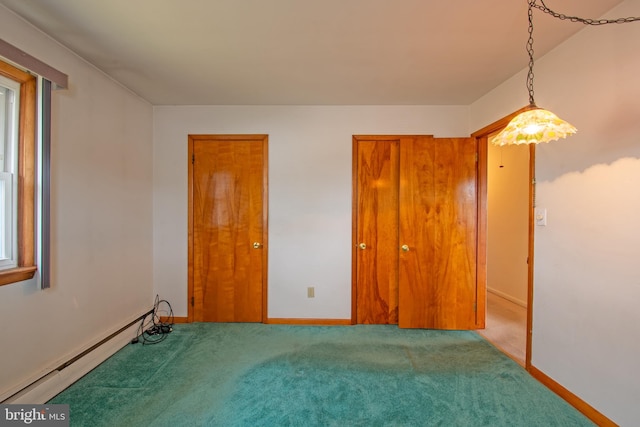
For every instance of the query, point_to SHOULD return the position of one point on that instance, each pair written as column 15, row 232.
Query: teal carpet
column 207, row 374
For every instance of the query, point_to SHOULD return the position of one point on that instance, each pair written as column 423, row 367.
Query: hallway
column 506, row 326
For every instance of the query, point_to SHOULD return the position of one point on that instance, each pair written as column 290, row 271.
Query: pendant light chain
column 530, row 52
column 543, row 7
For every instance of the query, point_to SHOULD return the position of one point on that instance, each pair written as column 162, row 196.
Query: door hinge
column 193, row 158
column 475, row 307
column 192, row 301
column 476, row 157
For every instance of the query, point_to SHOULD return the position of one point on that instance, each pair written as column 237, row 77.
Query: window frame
column 8, row 176
column 26, row 176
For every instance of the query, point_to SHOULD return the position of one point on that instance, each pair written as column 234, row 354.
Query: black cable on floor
column 152, row 330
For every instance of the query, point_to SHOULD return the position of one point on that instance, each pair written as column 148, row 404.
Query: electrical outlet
column 311, row 292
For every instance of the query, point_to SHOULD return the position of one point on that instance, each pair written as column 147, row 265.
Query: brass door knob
column 257, row 245
column 362, row 246
column 405, row 248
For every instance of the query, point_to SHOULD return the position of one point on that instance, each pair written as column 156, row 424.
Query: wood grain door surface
column 377, row 235
column 416, row 203
column 228, row 228
column 437, row 227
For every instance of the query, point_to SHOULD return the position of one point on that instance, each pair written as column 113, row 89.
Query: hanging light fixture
column 535, row 125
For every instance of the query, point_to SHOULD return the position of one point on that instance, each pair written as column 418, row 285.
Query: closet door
column 437, row 233
column 227, row 209
column 376, row 231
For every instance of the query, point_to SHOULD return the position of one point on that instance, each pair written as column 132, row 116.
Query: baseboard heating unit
column 58, row 379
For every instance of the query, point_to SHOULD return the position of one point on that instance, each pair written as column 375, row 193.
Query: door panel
column 438, row 221
column 227, row 210
column 417, row 230
column 377, row 202
column 456, row 233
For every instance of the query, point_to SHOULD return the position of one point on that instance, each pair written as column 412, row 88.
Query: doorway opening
column 508, row 181
column 507, row 248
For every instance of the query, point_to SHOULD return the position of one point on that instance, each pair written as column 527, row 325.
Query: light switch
column 541, row 216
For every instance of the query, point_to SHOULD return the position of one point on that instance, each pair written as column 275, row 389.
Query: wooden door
column 377, row 234
column 415, row 211
column 438, row 233
column 227, row 256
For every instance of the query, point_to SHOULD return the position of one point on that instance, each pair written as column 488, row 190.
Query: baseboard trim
column 582, row 406
column 319, row 322
column 165, row 319
column 508, row 297
column 280, row 321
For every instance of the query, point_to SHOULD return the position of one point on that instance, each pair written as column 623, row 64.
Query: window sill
column 18, row 274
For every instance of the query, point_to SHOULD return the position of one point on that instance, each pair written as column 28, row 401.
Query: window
column 9, row 124
column 17, row 174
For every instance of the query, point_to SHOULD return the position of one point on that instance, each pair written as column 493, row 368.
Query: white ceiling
column 306, row 52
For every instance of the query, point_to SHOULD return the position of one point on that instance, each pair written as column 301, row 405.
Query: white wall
column 508, row 222
column 586, row 280
column 585, row 314
column 101, row 219
column 310, row 187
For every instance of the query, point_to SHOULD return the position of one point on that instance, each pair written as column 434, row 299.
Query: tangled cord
column 152, row 330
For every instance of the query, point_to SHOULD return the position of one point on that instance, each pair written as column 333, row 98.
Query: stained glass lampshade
column 532, row 127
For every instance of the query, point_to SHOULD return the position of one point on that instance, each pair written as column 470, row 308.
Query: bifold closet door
column 437, row 233
column 376, row 251
column 415, row 233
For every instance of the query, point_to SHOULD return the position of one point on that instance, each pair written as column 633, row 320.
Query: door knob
column 405, row 248
column 362, row 246
column 257, row 245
